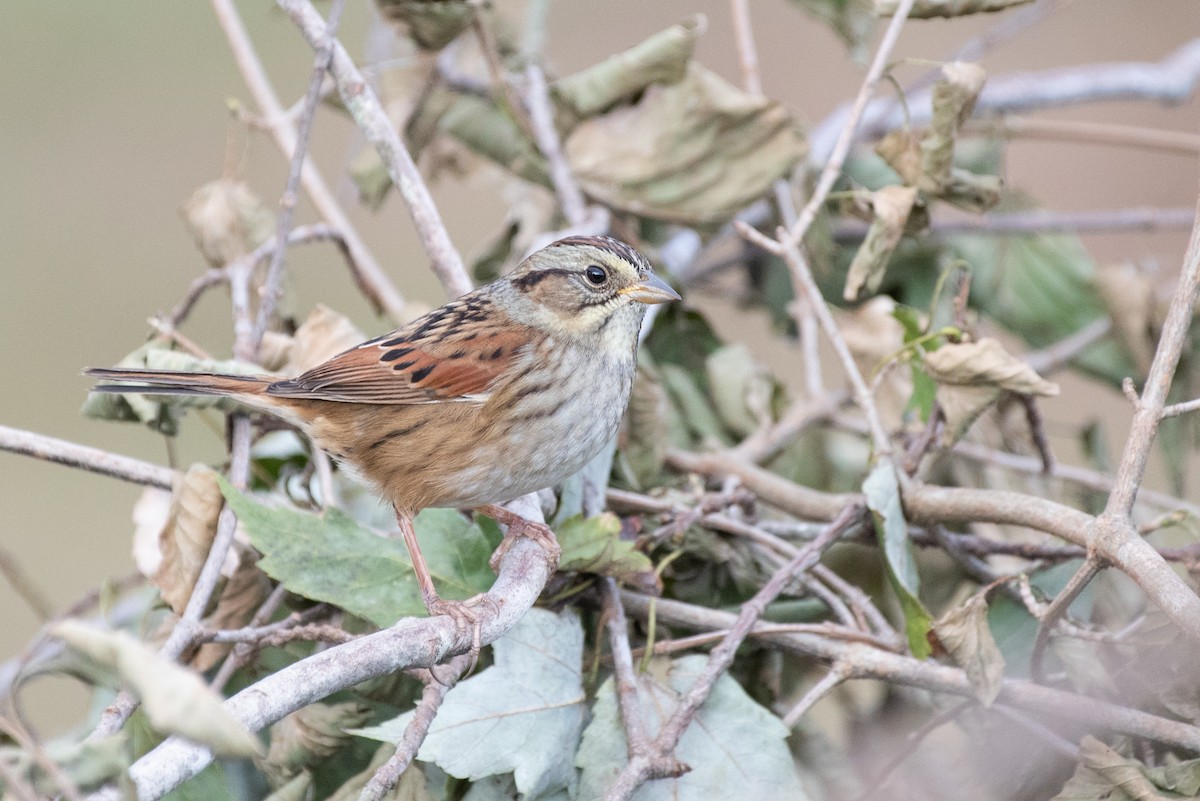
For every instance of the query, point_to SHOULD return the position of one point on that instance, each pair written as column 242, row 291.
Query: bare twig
column 1057, row 608
column 1040, row 222
column 1056, row 356
column 1100, row 133
column 836, row 675
column 743, row 34
column 541, row 117
column 1176, row 409
column 364, row 106
column 659, row 759
column 388, row 774
column 273, row 284
column 52, row 449
column 868, row 662
column 23, row 584
column 382, row 293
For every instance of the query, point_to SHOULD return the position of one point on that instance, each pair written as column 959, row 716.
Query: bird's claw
column 465, row 613
column 528, row 529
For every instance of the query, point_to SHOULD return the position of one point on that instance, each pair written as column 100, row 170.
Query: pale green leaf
column 522, row 716
column 330, row 557
column 882, row 490
column 594, row 545
column 176, row 700
column 736, row 749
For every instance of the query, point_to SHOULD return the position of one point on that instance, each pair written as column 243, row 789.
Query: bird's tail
column 172, row 382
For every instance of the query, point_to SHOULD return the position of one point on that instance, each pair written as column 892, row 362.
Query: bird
column 504, row 391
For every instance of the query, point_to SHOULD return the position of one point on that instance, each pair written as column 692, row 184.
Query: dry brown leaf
column 150, row 513
column 188, row 534
column 892, row 205
column 325, row 334
column 902, row 152
column 965, row 633
column 953, row 101
column 308, row 736
column 985, row 363
column 1129, row 296
column 227, row 220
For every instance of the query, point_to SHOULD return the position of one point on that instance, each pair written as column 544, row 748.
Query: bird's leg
column 464, row 613
column 519, row 527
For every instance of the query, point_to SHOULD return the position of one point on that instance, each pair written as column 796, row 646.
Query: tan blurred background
column 114, row 113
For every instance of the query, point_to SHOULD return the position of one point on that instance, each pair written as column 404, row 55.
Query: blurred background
column 115, row 113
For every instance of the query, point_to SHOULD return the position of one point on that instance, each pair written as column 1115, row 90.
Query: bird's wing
column 455, row 353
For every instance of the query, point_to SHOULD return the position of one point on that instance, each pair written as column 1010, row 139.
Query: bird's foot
column 520, row 528
column 465, row 614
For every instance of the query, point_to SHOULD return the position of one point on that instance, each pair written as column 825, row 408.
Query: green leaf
column 522, row 716
column 594, row 545
column 736, row 749
column 965, row 633
column 923, row 394
column 176, row 700
column 88, row 763
column 882, row 489
column 330, row 557
column 662, row 58
column 432, row 24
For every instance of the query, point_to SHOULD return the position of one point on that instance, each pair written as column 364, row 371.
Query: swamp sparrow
column 506, row 390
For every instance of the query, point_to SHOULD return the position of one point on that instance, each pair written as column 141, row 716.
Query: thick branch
column 413, row 642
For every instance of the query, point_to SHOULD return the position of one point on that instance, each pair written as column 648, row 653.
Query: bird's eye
column 596, row 275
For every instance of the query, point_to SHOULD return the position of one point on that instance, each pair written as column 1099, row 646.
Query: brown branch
column 836, row 675
column 1098, row 133
column 926, row 504
column 272, row 287
column 388, row 774
column 95, row 460
column 364, row 106
column 868, row 662
column 381, row 292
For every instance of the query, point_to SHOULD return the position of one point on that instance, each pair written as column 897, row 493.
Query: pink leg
column 464, row 613
column 519, row 527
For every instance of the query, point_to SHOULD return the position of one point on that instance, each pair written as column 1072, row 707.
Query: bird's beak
column 650, row 290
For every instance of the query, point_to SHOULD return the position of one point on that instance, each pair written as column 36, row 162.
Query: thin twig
column 382, row 293
column 659, row 759
column 1099, row 133
column 1058, row 355
column 60, row 451
column 868, row 662
column 541, row 118
column 388, row 774
column 1056, row 609
column 743, row 35
column 23, row 584
column 836, row 675
column 1176, row 409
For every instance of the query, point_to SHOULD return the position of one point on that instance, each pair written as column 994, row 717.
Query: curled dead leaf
column 985, row 363
column 954, row 99
column 1130, row 298
column 965, row 633
column 189, row 531
column 227, row 220
column 892, row 205
column 309, row 736
column 324, row 334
